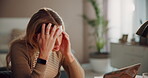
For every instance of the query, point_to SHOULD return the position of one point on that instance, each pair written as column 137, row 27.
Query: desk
column 123, row 55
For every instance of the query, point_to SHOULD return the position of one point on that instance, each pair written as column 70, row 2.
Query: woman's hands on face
column 46, row 40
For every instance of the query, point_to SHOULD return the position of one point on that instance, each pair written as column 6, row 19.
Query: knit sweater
column 24, row 65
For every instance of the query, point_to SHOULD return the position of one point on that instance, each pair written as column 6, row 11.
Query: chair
column 4, row 73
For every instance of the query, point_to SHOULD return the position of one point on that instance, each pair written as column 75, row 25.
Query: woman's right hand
column 46, row 40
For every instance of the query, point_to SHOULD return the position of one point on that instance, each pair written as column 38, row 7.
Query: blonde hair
column 44, row 15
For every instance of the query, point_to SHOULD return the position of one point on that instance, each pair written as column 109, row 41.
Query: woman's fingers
column 53, row 31
column 48, row 30
column 38, row 37
column 57, row 33
column 66, row 35
column 43, row 31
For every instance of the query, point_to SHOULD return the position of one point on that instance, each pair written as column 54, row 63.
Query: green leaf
column 100, row 43
column 99, row 24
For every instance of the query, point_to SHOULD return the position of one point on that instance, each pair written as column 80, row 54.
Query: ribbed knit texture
column 24, row 64
column 52, row 64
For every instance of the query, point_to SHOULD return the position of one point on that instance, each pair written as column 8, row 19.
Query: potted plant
column 100, row 29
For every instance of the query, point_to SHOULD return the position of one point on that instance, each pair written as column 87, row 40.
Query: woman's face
column 58, row 42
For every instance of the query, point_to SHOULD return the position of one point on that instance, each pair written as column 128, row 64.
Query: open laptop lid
column 126, row 72
column 143, row 30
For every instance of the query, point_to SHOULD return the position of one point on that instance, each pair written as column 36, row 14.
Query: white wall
column 114, row 18
column 7, row 24
column 139, row 14
column 16, row 13
column 124, row 16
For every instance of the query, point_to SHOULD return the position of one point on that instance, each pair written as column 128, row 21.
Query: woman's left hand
column 65, row 47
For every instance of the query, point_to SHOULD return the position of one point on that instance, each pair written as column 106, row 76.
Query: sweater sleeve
column 20, row 64
column 73, row 69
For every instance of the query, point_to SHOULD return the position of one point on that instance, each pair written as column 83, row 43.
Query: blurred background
column 118, row 46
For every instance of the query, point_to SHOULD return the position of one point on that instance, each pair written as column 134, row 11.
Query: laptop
column 126, row 72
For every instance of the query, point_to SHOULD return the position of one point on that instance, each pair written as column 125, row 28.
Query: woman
column 44, row 49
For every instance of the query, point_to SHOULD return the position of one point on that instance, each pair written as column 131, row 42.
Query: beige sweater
column 24, row 65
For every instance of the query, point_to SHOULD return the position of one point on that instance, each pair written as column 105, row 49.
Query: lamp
column 143, row 30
